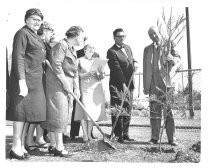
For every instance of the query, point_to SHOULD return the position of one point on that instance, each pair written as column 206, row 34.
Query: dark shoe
column 51, row 149
column 72, row 138
column 173, row 143
column 60, row 154
column 27, row 155
column 120, row 140
column 127, row 138
column 13, row 155
column 152, row 141
column 66, row 138
column 93, row 137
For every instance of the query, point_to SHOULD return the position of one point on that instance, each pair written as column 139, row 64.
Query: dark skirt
column 31, row 108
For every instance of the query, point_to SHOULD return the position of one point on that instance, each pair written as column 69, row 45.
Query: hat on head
column 44, row 25
column 33, row 11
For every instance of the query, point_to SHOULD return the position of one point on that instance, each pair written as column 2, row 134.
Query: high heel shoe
column 85, row 140
column 51, row 149
column 59, row 153
column 13, row 155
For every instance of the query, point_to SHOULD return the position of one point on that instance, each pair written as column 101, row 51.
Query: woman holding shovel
column 61, row 79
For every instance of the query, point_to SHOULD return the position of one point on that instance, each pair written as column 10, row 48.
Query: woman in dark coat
column 46, row 33
column 27, row 99
column 61, row 79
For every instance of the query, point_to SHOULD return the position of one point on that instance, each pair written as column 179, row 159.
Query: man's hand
column 23, row 88
column 125, row 88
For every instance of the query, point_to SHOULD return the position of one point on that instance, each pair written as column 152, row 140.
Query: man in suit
column 121, row 65
column 154, row 78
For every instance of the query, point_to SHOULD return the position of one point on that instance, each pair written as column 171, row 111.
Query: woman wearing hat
column 26, row 91
column 61, row 79
column 46, row 33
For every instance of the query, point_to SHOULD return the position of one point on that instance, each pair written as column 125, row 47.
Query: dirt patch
column 136, row 151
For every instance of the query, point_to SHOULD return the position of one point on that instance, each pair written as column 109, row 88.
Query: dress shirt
column 123, row 49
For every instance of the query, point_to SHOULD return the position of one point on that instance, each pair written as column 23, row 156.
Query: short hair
column 88, row 46
column 117, row 30
column 44, row 25
column 33, row 11
column 153, row 28
column 74, row 31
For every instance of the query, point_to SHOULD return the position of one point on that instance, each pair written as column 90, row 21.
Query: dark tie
column 122, row 46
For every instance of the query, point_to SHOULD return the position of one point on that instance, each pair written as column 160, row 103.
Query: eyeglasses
column 35, row 20
column 123, row 36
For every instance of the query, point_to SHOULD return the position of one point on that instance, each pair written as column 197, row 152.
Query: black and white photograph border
column 99, row 18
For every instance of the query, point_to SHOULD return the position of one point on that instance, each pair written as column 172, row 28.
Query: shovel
column 106, row 141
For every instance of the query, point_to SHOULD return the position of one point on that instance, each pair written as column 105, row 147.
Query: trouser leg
column 119, row 126
column 170, row 126
column 45, row 132
column 127, row 119
column 126, row 124
column 155, row 120
column 75, row 125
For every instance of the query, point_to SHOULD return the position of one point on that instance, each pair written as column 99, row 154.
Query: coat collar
column 71, row 48
column 33, row 34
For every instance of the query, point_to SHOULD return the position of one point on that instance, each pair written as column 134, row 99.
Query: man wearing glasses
column 121, row 65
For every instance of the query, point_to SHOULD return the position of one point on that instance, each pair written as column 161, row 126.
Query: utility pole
column 189, row 64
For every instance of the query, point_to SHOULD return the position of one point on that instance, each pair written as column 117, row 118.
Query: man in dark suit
column 153, row 78
column 121, row 65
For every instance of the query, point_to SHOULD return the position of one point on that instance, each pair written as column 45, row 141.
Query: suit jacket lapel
column 130, row 59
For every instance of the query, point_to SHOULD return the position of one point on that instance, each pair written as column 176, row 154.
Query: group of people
column 45, row 74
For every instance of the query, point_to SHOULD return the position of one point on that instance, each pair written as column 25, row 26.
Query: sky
column 100, row 17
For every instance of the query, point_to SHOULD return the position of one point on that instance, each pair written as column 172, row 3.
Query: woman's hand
column 77, row 93
column 92, row 74
column 101, row 75
column 23, row 88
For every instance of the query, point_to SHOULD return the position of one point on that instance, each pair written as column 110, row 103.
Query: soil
column 136, row 151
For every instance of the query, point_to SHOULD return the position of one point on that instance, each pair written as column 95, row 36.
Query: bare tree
column 170, row 30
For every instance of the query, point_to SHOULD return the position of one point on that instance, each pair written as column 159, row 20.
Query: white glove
column 23, row 88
